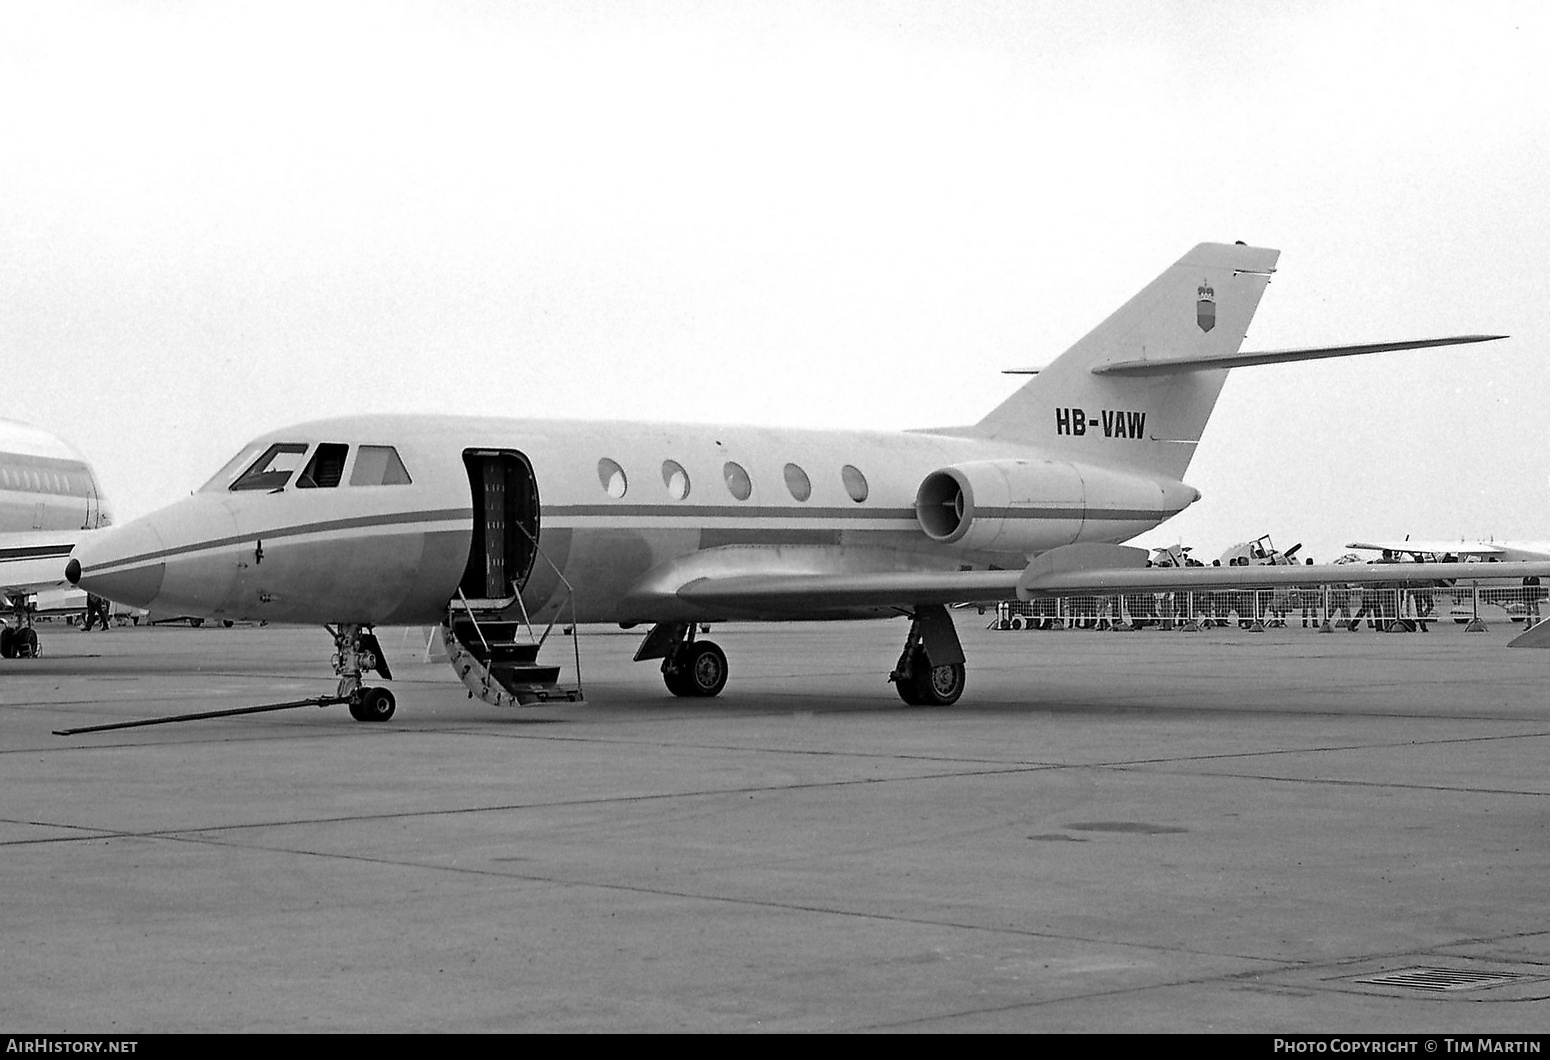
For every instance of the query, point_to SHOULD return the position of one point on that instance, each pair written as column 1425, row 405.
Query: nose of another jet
column 121, row 564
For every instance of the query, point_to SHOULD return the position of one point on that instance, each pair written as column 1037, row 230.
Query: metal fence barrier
column 1324, row 607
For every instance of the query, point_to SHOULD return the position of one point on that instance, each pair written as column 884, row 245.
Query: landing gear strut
column 930, row 672
column 690, row 667
column 356, row 651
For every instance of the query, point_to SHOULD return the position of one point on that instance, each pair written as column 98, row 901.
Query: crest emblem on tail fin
column 1205, row 307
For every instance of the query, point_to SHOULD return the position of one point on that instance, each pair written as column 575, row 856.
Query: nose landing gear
column 356, row 651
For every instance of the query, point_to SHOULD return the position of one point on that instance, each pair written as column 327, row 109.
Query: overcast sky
column 216, row 219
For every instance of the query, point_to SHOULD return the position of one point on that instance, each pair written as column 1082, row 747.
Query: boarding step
column 497, row 661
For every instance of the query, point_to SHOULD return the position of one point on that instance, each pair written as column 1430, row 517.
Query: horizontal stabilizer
column 1244, row 359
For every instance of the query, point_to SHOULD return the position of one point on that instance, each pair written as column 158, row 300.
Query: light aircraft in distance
column 490, row 527
column 1517, row 597
column 1260, row 550
column 48, row 499
column 1480, row 551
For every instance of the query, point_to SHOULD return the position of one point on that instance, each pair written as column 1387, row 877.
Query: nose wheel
column 372, row 704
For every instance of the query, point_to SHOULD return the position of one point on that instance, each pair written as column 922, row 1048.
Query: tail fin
column 1201, row 307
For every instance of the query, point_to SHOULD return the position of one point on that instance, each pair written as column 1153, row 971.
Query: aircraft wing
column 35, row 560
column 798, row 582
column 1245, row 358
column 1041, row 579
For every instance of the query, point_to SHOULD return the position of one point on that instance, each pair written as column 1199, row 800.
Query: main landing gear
column 930, row 672
column 356, row 651
column 19, row 641
column 689, row 667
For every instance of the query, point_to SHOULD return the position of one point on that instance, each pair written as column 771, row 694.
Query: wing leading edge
column 1068, row 571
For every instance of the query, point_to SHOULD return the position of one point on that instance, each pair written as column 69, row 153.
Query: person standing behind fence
column 1531, row 592
column 1309, row 597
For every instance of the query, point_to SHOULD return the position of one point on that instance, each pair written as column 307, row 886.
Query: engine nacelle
column 1032, row 505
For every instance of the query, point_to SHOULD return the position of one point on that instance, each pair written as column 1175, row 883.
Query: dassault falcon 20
column 489, row 527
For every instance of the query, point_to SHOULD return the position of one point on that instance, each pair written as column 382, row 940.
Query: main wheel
column 25, row 641
column 705, row 669
column 372, row 704
column 906, row 690
column 7, row 642
column 938, row 686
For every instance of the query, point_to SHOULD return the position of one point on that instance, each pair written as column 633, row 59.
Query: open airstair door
column 488, row 635
column 505, row 538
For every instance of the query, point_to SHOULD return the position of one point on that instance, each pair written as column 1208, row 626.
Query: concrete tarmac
column 1146, row 831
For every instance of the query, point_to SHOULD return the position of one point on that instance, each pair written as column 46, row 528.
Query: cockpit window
column 229, row 471
column 325, row 469
column 272, row 470
column 378, row 465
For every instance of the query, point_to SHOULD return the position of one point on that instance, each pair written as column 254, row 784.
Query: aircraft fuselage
column 627, row 514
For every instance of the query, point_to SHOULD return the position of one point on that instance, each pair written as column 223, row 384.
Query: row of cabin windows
column 24, row 481
column 375, row 465
column 676, row 480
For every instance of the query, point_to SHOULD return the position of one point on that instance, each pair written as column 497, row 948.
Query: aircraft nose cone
column 120, row 564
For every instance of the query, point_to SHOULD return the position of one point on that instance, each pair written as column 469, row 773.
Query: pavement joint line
column 1310, row 966
column 1349, row 783
column 1276, row 964
column 990, row 771
column 524, row 806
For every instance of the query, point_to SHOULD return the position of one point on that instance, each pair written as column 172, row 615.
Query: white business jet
column 491, row 526
column 48, row 499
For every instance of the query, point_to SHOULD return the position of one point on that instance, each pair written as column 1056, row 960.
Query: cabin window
column 611, row 475
column 738, row 482
column 273, row 469
column 325, row 469
column 676, row 479
column 855, row 483
column 378, row 465
column 798, row 483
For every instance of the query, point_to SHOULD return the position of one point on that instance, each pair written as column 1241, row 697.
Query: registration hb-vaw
column 496, row 529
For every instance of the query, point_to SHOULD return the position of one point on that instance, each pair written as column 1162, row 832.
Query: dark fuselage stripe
column 35, row 551
column 587, row 511
column 764, row 511
column 328, row 526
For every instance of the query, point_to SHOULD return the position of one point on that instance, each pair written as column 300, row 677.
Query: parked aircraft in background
column 1434, row 551
column 1515, row 594
column 488, row 526
column 1259, row 551
column 48, row 498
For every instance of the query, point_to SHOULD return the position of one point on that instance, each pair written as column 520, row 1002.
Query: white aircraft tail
column 1099, row 402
